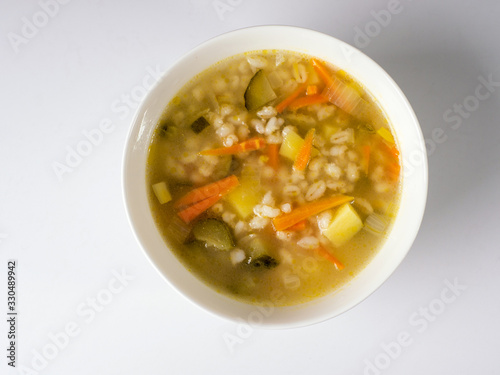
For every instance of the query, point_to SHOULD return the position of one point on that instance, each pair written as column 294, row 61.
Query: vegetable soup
column 273, row 176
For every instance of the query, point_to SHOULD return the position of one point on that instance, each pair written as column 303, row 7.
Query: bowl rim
column 137, row 128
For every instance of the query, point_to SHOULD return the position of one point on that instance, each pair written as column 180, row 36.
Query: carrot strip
column 285, row 221
column 217, row 188
column 366, row 150
column 312, row 90
column 329, row 257
column 301, row 225
column 193, row 211
column 390, row 151
column 286, row 102
column 322, row 72
column 393, row 167
column 393, row 170
column 248, row 145
column 304, row 154
column 307, row 100
column 273, row 150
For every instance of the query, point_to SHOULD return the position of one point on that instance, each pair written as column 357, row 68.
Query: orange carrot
column 322, row 72
column 286, row 102
column 248, row 145
column 217, row 188
column 304, row 101
column 273, row 150
column 393, row 170
column 312, row 90
column 329, row 257
column 193, row 211
column 285, row 221
column 301, row 225
column 390, row 151
column 304, row 154
column 393, row 167
column 366, row 158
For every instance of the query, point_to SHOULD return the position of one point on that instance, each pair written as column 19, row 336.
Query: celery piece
column 344, row 225
column 162, row 193
column 386, row 134
column 376, row 224
column 247, row 194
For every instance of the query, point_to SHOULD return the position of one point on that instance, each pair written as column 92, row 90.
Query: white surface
column 70, row 236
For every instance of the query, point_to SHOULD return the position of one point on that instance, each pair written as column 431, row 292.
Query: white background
column 70, row 236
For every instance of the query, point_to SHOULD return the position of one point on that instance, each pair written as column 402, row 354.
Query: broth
column 273, row 176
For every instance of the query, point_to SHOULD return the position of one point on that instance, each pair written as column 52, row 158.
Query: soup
column 273, row 176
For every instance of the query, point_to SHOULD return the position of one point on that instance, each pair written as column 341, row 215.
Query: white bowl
column 403, row 121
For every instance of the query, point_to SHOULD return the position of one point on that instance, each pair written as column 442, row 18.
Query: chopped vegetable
column 214, row 232
column 329, row 257
column 393, row 167
column 324, row 74
column 301, row 225
column 163, row 130
column 339, row 93
column 273, row 155
column 162, row 193
column 328, row 130
column 217, row 188
column 285, row 221
column 312, row 76
column 265, row 261
column 259, row 254
column 304, row 154
column 199, row 124
column 386, row 134
column 343, row 95
column 292, row 143
column 177, row 230
column 248, row 194
column 195, row 210
column 393, row 170
column 390, row 151
column 312, row 90
column 345, row 224
column 304, row 101
column 286, row 102
column 249, row 145
column 376, row 224
column 259, row 91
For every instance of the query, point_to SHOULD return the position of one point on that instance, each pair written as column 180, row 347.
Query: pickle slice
column 214, row 232
column 259, row 91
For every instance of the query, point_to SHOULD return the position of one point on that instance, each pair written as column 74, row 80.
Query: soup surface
column 273, row 176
